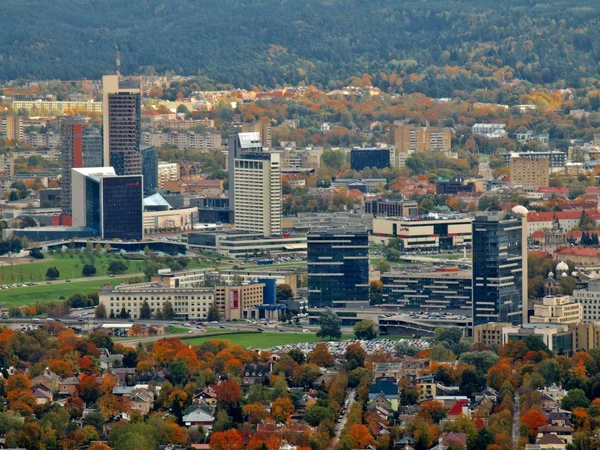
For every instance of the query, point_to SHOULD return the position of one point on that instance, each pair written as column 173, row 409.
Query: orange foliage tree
column 320, row 356
column 360, row 436
column 533, row 419
column 282, row 408
column 226, row 440
column 228, row 392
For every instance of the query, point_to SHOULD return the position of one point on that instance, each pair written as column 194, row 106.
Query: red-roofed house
column 460, row 407
column 567, row 220
column 578, row 255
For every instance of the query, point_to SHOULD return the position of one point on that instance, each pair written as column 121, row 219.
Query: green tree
column 168, row 312
column 52, row 273
column 101, row 311
column 284, row 292
column 365, row 329
column 317, row 414
column 213, row 314
column 451, row 335
column 179, row 372
column 375, row 292
column 331, row 326
column 145, row 311
column 575, row 398
column 117, row 267
column 88, row 270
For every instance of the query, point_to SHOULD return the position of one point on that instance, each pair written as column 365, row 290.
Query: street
column 340, row 426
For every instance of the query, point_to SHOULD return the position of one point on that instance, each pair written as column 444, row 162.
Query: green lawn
column 262, row 340
column 45, row 293
column 68, row 264
column 176, row 330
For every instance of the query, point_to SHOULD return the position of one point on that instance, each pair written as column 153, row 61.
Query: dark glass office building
column 150, row 170
column 369, row 157
column 499, row 262
column 122, row 210
column 338, row 267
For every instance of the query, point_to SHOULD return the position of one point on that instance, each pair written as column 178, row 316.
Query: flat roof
column 117, row 325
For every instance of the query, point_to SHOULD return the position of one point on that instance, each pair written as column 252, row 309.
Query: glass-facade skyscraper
column 150, row 170
column 499, row 268
column 338, row 267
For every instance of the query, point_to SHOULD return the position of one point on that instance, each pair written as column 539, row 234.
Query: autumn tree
column 321, row 356
column 256, row 412
column 226, row 440
column 532, row 420
column 281, row 409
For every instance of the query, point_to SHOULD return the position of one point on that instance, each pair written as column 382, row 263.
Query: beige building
column 188, row 303
column 11, row 128
column 239, row 302
column 409, row 139
column 489, row 334
column 184, row 279
column 257, row 193
column 167, row 172
column 51, row 107
column 262, row 127
column 557, row 309
column 173, row 219
column 531, row 173
column 589, row 299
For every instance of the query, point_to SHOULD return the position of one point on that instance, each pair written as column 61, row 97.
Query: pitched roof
column 457, row 408
column 454, row 438
column 550, row 439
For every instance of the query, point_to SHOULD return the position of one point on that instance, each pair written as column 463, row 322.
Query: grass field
column 262, row 340
column 176, row 330
column 69, row 265
column 48, row 292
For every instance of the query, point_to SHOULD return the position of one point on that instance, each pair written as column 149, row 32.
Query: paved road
column 340, row 426
column 516, row 421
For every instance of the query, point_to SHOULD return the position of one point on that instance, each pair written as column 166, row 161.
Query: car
column 47, row 282
column 35, row 319
column 49, row 319
column 222, row 326
column 260, row 329
column 186, row 325
column 131, row 320
column 306, row 331
column 67, row 281
column 190, row 332
column 281, row 330
column 214, row 322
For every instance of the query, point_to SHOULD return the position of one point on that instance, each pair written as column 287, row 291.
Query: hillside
column 274, row 42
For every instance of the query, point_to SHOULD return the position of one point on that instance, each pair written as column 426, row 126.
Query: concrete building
column 42, row 107
column 239, row 302
column 183, row 140
column 499, row 267
column 432, row 231
column 257, row 194
column 433, row 290
column 392, row 208
column 237, row 244
column 409, row 139
column 11, row 128
column 122, row 125
column 489, row 334
column 188, row 303
column 490, row 130
column 239, row 145
column 71, row 156
column 556, row 158
column 263, row 128
column 589, row 299
column 557, row 309
column 531, row 173
column 167, row 172
column 370, row 184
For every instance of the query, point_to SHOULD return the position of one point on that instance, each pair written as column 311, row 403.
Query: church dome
column 573, row 274
column 519, row 209
column 551, row 275
column 562, row 267
column 564, row 275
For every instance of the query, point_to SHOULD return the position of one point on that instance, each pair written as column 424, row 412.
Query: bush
column 117, row 267
column 88, row 270
column 52, row 273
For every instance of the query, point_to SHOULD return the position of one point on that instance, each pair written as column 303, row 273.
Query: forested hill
column 271, row 42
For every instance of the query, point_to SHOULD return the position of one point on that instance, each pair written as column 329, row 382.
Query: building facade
column 188, row 303
column 499, row 268
column 392, row 208
column 338, row 267
column 361, row 158
column 122, row 125
column 149, row 170
column 263, row 128
column 71, row 156
column 556, row 159
column 589, row 299
column 257, row 195
column 442, row 289
column 239, row 302
column 557, row 309
column 531, row 173
column 434, row 232
column 167, row 172
column 408, row 139
column 11, row 128
column 111, row 205
column 239, row 145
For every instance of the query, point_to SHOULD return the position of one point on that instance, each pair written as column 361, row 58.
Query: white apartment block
column 57, row 107
column 590, row 300
column 183, row 140
column 167, row 172
column 257, row 193
column 49, row 140
column 188, row 303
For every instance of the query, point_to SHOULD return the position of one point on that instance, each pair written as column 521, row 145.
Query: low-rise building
column 239, row 302
column 188, row 303
column 489, row 334
column 557, row 309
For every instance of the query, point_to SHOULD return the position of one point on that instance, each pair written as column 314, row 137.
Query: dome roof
column 551, row 275
column 573, row 274
column 562, row 267
column 519, row 209
column 564, row 275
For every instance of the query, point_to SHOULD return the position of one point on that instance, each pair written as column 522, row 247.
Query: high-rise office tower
column 71, row 156
column 500, row 267
column 240, row 144
column 122, row 122
column 108, row 203
column 257, row 193
column 150, row 170
column 11, row 128
column 338, row 267
column 81, row 146
column 262, row 127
